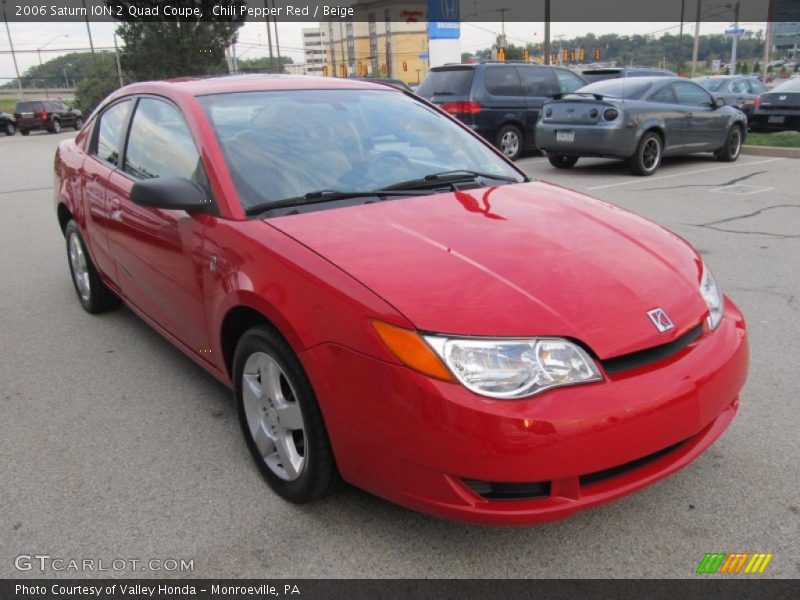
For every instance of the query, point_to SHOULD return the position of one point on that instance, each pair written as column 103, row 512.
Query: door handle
column 114, row 209
column 690, row 115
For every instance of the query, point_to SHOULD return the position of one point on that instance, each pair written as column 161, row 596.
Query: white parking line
column 681, row 174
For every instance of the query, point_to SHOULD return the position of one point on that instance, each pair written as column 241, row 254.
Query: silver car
column 640, row 120
column 736, row 90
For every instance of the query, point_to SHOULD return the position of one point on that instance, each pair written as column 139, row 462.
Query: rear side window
column 447, row 82
column 110, row 131
column 160, row 143
column 539, row 82
column 664, row 95
column 739, row 87
column 25, row 107
column 502, row 81
column 568, row 81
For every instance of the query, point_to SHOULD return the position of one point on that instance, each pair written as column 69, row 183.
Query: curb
column 771, row 151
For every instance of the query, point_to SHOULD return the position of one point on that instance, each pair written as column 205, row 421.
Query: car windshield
column 289, row 143
column 793, row 85
column 630, row 89
column 712, row 85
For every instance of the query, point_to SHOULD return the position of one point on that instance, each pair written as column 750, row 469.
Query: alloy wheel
column 735, row 142
column 651, row 153
column 509, row 143
column 80, row 268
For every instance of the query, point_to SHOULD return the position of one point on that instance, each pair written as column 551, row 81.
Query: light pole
column 39, row 52
column 700, row 15
column 64, row 70
column 13, row 54
column 735, row 42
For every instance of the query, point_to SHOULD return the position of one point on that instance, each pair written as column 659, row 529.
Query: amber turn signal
column 412, row 350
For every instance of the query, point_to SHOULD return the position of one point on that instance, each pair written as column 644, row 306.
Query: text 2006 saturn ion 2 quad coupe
column 393, row 302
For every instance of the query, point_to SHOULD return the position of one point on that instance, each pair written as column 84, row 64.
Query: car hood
column 514, row 260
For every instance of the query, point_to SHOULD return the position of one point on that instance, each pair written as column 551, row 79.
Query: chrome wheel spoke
column 291, row 461
column 290, row 417
column 263, row 440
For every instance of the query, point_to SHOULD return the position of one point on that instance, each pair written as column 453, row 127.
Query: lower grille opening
column 598, row 476
column 509, row 491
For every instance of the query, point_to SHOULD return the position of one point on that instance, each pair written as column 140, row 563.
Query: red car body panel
column 517, row 260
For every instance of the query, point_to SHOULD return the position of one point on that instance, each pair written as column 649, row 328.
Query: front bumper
column 417, row 442
column 616, row 141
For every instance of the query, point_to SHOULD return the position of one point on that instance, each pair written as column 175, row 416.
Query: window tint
column 502, row 81
column 160, row 144
column 739, row 87
column 691, row 94
column 111, row 132
column 664, row 95
column 447, row 82
column 23, row 107
column 569, row 82
column 537, row 81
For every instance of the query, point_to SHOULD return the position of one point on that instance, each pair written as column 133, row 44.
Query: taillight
column 44, row 114
column 462, row 108
column 610, row 114
column 757, row 103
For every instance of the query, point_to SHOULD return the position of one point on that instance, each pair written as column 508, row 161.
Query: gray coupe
column 640, row 120
column 736, row 90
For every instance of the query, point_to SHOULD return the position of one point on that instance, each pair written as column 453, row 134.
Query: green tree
column 101, row 78
column 263, row 65
column 166, row 49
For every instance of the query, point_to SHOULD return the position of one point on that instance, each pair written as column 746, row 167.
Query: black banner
column 403, row 10
column 399, row 589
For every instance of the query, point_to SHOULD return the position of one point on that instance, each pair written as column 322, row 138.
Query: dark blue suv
column 501, row 101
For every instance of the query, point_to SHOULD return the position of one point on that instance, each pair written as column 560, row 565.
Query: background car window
column 569, row 82
column 619, row 88
column 110, row 132
column 447, row 82
column 739, row 87
column 160, row 143
column 24, row 107
column 537, row 81
column 664, row 95
column 691, row 94
column 502, row 81
column 756, row 87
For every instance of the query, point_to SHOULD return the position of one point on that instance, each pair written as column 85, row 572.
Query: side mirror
column 173, row 193
column 719, row 102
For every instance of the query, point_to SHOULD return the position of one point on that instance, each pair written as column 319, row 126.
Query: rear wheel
column 93, row 294
column 733, row 145
column 509, row 141
column 24, row 132
column 78, row 123
column 280, row 418
column 9, row 129
column 648, row 155
column 560, row 161
column 55, row 126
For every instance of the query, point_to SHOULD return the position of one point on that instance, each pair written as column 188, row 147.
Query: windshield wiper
column 453, row 176
column 320, row 196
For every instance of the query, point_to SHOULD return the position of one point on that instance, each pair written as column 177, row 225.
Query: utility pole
column 39, row 52
column 680, row 37
column 547, row 32
column 767, row 47
column 735, row 42
column 89, row 31
column 277, row 42
column 13, row 54
column 696, row 44
column 269, row 39
column 119, row 66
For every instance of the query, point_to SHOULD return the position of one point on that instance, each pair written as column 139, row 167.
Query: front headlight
column 514, row 368
column 713, row 298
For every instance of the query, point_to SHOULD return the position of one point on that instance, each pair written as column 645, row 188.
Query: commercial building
column 315, row 50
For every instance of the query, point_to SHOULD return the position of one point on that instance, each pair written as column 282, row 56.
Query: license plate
column 565, row 136
column 776, row 119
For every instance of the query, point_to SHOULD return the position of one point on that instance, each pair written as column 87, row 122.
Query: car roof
column 246, row 83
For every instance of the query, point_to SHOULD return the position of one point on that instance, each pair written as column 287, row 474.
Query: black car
column 51, row 115
column 8, row 124
column 778, row 109
column 599, row 74
column 500, row 101
column 736, row 90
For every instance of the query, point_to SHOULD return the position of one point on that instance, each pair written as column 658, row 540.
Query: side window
column 757, row 87
column 110, row 132
column 538, row 81
column 664, row 95
column 568, row 81
column 160, row 144
column 739, row 87
column 691, row 94
column 502, row 81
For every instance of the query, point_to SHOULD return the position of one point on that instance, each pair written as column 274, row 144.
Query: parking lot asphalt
column 115, row 445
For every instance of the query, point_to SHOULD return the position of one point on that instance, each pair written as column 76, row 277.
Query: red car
column 393, row 302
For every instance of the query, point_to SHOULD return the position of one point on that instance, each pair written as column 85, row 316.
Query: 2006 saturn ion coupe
column 393, row 302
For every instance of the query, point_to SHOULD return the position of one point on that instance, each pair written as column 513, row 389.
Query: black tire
column 510, row 141
column 733, row 144
column 78, row 123
column 648, row 155
column 559, row 161
column 99, row 297
column 319, row 475
column 55, row 126
column 24, row 132
column 9, row 129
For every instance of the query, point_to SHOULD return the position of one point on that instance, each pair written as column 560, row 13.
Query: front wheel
column 648, row 155
column 509, row 140
column 9, row 129
column 280, row 418
column 733, row 145
column 78, row 123
column 93, row 294
column 559, row 161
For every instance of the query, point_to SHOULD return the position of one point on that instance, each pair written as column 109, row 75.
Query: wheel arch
column 64, row 216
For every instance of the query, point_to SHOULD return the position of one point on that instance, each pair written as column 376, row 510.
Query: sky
column 58, row 37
